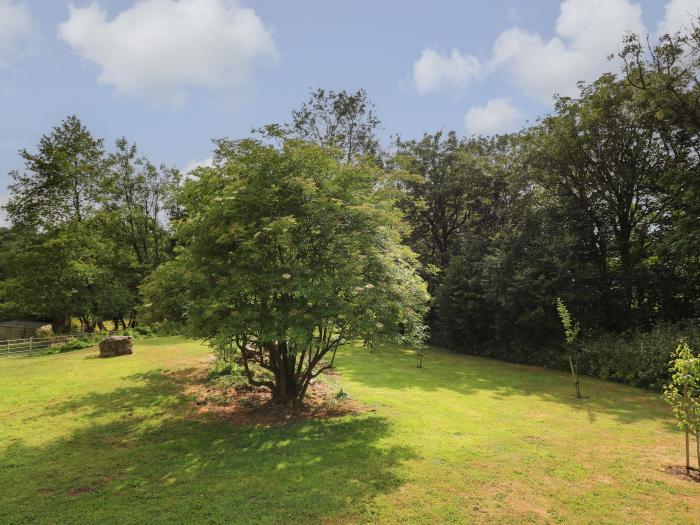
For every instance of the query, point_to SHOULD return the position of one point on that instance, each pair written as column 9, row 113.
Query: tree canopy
column 287, row 253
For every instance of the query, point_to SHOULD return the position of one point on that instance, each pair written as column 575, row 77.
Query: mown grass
column 463, row 440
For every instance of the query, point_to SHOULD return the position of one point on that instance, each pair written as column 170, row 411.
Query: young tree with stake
column 683, row 394
column 571, row 331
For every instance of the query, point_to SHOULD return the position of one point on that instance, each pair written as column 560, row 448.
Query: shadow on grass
column 143, row 457
column 395, row 368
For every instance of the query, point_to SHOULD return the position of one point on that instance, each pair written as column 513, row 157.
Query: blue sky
column 172, row 74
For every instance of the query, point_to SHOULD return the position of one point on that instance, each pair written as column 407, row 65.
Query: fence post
column 31, row 339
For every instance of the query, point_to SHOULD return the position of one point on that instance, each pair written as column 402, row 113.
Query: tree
column 438, row 177
column 92, row 227
column 336, row 119
column 600, row 155
column 63, row 179
column 70, row 273
column 571, row 331
column 666, row 77
column 136, row 197
column 287, row 253
column 683, row 394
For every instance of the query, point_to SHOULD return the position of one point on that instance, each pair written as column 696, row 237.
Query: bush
column 227, row 374
column 73, row 344
column 636, row 358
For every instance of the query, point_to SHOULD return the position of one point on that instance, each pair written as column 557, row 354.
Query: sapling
column 683, row 394
column 571, row 331
column 419, row 352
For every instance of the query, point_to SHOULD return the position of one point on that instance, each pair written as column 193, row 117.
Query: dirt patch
column 79, row 491
column 680, row 472
column 253, row 406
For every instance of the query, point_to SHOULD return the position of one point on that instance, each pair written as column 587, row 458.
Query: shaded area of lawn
column 142, row 455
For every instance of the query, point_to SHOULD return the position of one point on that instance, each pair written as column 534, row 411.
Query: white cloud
column 588, row 31
column 497, row 116
column 17, row 30
column 158, row 49
column 194, row 164
column 436, row 70
column 678, row 16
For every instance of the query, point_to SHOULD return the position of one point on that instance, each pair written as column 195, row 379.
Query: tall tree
column 62, row 179
column 448, row 187
column 601, row 155
column 666, row 77
column 135, row 200
column 287, row 254
column 335, row 119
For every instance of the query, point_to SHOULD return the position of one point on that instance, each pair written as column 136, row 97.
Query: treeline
column 88, row 225
column 597, row 204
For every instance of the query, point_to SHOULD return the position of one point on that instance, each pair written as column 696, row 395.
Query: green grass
column 463, row 440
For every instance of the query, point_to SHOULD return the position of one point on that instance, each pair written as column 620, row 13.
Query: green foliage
column 226, row 374
column 635, row 357
column 286, row 254
column 341, row 395
column 334, row 119
column 87, row 229
column 63, row 179
column 571, row 328
column 683, row 392
column 74, row 344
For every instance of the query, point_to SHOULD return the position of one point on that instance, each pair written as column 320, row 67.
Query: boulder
column 116, row 345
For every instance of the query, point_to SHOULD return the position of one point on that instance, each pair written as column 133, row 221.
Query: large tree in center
column 289, row 252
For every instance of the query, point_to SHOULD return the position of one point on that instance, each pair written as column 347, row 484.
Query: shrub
column 73, row 344
column 636, row 358
column 227, row 374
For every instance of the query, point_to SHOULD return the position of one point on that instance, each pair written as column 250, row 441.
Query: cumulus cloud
column 497, row 116
column 160, row 49
column 587, row 31
column 677, row 16
column 436, row 70
column 17, row 30
column 194, row 164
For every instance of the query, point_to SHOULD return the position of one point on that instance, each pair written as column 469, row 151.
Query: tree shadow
column 394, row 367
column 145, row 456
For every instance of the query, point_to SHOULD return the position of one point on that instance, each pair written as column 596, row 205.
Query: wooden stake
column 574, row 374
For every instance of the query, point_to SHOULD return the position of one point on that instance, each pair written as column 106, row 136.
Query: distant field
column 463, row 440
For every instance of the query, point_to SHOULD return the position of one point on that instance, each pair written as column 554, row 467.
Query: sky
column 173, row 74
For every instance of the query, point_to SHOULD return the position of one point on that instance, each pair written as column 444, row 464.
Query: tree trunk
column 60, row 324
column 574, row 375
column 288, row 387
column 335, row 350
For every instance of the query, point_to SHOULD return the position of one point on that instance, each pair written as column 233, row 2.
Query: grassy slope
column 84, row 440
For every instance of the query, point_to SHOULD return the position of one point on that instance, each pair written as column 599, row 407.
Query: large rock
column 116, row 345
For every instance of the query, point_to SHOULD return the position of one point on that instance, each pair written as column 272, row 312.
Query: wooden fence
column 31, row 346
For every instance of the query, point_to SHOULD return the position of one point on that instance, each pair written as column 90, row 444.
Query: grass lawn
column 463, row 440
